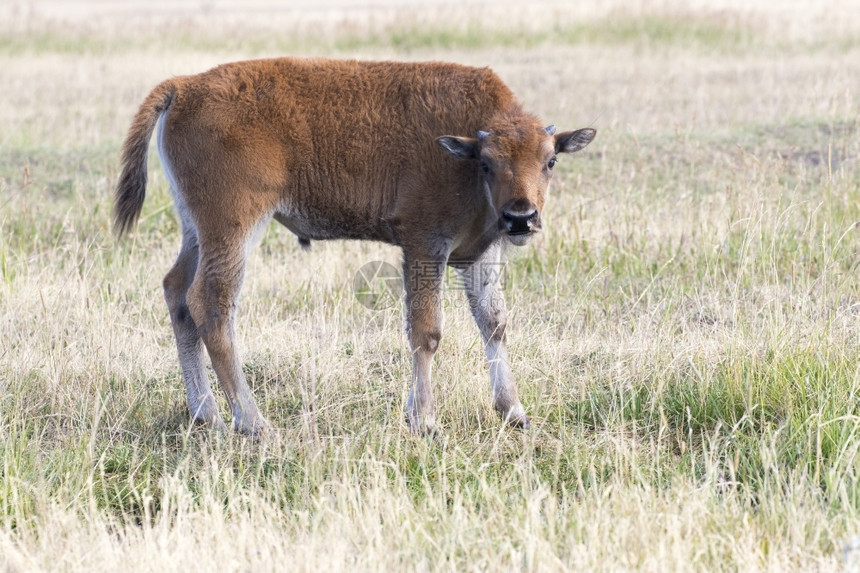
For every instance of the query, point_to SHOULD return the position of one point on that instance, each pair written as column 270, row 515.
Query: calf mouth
column 520, row 239
column 524, row 232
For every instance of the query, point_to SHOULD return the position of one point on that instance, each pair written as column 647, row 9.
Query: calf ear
column 571, row 141
column 459, row 147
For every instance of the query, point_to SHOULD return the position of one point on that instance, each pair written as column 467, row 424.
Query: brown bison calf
column 436, row 158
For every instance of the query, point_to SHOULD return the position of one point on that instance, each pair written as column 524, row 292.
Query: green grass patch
column 700, row 32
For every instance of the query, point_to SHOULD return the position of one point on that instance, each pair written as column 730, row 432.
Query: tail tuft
column 131, row 187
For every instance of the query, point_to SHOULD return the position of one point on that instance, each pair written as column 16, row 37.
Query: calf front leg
column 422, row 279
column 482, row 280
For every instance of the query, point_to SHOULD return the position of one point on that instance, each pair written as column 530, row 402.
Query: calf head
column 515, row 160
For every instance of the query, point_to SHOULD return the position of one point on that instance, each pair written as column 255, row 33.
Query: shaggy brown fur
column 436, row 158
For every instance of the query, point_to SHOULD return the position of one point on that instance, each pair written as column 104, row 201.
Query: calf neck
column 438, row 159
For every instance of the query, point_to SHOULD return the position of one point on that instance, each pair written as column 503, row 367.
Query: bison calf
column 438, row 159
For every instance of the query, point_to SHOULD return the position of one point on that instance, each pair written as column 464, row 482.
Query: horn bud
column 550, row 130
column 482, row 135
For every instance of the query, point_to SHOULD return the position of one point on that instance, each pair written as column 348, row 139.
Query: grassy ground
column 685, row 334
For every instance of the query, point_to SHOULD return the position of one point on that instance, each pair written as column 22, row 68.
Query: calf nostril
column 519, row 222
column 513, row 216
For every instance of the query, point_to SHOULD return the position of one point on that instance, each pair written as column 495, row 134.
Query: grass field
column 686, row 334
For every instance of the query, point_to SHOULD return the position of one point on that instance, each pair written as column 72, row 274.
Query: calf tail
column 131, row 188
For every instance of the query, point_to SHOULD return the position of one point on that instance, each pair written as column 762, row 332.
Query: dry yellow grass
column 685, row 335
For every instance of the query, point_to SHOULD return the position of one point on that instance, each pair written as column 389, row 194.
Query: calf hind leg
column 201, row 402
column 212, row 300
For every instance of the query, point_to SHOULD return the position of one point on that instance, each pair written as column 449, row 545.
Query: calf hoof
column 521, row 423
column 251, row 425
column 424, row 427
column 216, row 424
column 516, row 418
column 207, row 416
column 256, row 431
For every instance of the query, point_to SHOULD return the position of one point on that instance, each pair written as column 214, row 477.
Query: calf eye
column 551, row 164
column 485, row 168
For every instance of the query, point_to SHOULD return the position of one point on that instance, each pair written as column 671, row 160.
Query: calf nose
column 519, row 223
